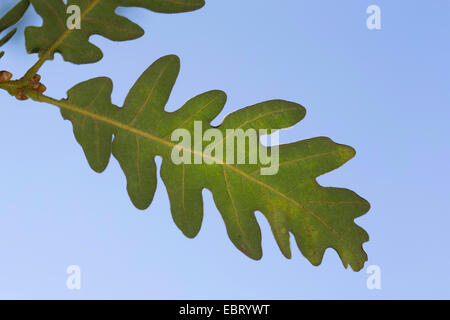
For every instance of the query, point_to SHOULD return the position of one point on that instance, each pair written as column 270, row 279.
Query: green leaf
column 14, row 15
column 97, row 17
column 291, row 200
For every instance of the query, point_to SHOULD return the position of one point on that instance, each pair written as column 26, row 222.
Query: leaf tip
column 359, row 266
column 220, row 95
column 141, row 199
column 366, row 207
column 199, row 4
column 98, row 166
column 346, row 152
column 171, row 58
column 254, row 253
column 190, row 233
column 195, row 5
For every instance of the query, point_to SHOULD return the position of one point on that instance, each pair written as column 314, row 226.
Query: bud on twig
column 35, row 84
column 36, row 78
column 41, row 88
column 5, row 76
column 21, row 96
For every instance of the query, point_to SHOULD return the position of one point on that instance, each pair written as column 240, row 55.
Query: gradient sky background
column 386, row 93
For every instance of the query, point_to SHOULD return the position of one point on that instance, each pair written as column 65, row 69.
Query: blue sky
column 384, row 92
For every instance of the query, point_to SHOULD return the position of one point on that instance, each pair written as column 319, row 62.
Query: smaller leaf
column 97, row 17
column 14, row 15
